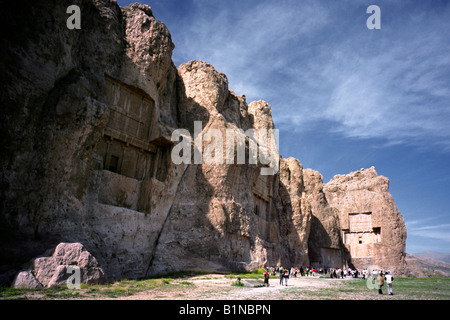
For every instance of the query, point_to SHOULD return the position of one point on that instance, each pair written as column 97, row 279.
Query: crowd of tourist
column 311, row 272
column 336, row 273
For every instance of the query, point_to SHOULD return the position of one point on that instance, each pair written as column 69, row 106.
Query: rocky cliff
column 324, row 243
column 373, row 230
column 86, row 157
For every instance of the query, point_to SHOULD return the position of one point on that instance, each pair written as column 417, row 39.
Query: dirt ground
column 218, row 287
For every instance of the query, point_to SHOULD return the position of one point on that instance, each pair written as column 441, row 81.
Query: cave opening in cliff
column 113, row 163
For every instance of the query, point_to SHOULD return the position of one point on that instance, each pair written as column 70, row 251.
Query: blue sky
column 343, row 97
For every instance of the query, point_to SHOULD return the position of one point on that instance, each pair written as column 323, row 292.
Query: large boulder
column 54, row 270
column 26, row 280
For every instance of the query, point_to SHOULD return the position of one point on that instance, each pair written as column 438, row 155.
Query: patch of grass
column 254, row 274
column 116, row 292
column 405, row 288
column 426, row 288
column 183, row 274
column 7, row 292
column 121, row 288
column 63, row 294
column 129, row 287
column 237, row 283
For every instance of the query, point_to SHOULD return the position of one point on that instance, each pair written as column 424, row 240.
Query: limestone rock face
column 373, row 229
column 324, row 242
column 204, row 87
column 227, row 216
column 262, row 114
column 296, row 218
column 71, row 170
column 87, row 124
column 147, row 64
column 54, row 111
column 149, row 43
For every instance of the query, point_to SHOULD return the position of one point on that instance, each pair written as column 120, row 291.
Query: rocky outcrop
column 324, row 243
column 228, row 216
column 86, row 157
column 59, row 87
column 373, row 229
column 55, row 270
column 292, row 195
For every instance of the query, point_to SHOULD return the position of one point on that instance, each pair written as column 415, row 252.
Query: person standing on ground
column 286, row 277
column 380, row 280
column 389, row 278
column 281, row 276
column 266, row 278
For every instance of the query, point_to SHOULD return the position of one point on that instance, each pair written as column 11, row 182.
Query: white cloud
column 422, row 228
column 396, row 99
column 396, row 90
column 434, row 227
column 249, row 44
column 391, row 85
column 440, row 234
